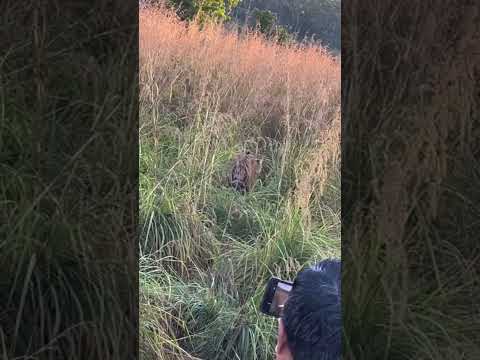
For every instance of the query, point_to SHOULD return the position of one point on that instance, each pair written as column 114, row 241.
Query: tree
column 266, row 22
column 283, row 36
column 204, row 10
column 307, row 19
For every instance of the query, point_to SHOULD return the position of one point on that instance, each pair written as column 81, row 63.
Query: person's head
column 310, row 328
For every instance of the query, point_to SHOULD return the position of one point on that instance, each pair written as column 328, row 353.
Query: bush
column 205, row 10
column 266, row 22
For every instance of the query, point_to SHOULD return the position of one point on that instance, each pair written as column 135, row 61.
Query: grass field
column 207, row 251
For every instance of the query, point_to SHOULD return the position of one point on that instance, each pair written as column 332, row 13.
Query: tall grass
column 67, row 132
column 410, row 212
column 206, row 251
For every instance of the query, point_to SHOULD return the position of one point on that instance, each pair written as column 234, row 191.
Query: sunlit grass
column 207, row 251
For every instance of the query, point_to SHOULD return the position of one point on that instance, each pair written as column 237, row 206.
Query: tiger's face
column 244, row 172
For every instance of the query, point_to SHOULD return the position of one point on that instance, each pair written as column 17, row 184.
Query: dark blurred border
column 68, row 179
column 410, row 179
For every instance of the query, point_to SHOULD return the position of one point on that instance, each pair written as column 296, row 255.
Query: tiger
column 244, row 172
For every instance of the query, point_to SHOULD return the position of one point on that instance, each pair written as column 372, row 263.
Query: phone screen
column 275, row 297
column 279, row 298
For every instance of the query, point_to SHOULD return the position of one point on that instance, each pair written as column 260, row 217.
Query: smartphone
column 275, row 297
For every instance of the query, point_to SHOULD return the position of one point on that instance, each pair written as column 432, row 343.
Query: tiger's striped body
column 244, row 172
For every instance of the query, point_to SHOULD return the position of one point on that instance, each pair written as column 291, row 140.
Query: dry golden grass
column 292, row 90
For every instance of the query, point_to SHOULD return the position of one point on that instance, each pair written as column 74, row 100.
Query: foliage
column 266, row 22
column 205, row 10
column 283, row 36
column 186, row 9
column 319, row 19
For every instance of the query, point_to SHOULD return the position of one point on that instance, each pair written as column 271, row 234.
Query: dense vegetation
column 286, row 20
column 207, row 251
column 306, row 18
column 68, row 135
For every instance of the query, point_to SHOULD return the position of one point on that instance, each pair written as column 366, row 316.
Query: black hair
column 312, row 314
